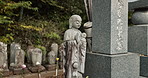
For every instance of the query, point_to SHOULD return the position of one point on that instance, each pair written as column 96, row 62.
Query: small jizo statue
column 36, row 57
column 52, row 55
column 74, row 50
column 3, row 56
column 17, row 55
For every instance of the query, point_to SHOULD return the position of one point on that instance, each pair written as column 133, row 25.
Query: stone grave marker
column 110, row 26
column 138, row 33
column 110, row 58
column 17, row 55
column 3, row 59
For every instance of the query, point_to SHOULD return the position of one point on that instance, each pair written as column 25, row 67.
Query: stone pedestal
column 112, row 66
column 144, row 66
column 46, row 74
column 50, row 67
column 36, row 69
column 18, row 70
column 6, row 73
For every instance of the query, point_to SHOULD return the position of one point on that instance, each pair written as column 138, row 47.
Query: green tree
column 8, row 10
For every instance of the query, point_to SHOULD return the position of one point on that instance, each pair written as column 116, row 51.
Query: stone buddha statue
column 74, row 49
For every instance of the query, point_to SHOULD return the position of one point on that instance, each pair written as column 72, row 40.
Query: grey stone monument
column 17, row 55
column 110, row 58
column 3, row 60
column 3, row 57
column 35, row 59
column 52, row 55
column 138, row 33
column 110, row 26
column 36, row 56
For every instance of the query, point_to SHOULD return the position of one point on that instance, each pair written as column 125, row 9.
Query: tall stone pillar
column 110, row 58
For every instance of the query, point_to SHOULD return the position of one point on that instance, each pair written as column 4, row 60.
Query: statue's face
column 17, row 46
column 76, row 22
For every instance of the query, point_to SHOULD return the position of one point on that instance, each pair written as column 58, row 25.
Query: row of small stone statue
column 17, row 55
column 72, row 51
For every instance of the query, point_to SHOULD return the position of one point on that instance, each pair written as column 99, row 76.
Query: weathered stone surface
column 13, row 47
column 109, row 30
column 46, row 74
column 138, row 39
column 17, row 55
column 6, row 73
column 18, row 71
column 112, row 66
column 35, row 69
column 34, row 56
column 3, row 57
column 140, row 16
column 133, row 4
column 52, row 55
column 50, row 67
column 74, row 50
column 144, row 66
column 61, row 56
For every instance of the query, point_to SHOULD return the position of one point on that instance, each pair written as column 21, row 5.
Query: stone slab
column 6, row 73
column 112, row 66
column 50, row 67
column 138, row 39
column 110, row 26
column 46, row 74
column 133, row 4
column 35, row 69
column 144, row 66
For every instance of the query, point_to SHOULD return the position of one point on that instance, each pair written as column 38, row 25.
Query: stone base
column 112, row 66
column 18, row 70
column 59, row 76
column 144, row 66
column 6, row 73
column 46, row 74
column 35, row 69
column 50, row 67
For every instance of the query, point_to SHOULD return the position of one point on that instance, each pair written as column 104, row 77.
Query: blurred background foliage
column 37, row 22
